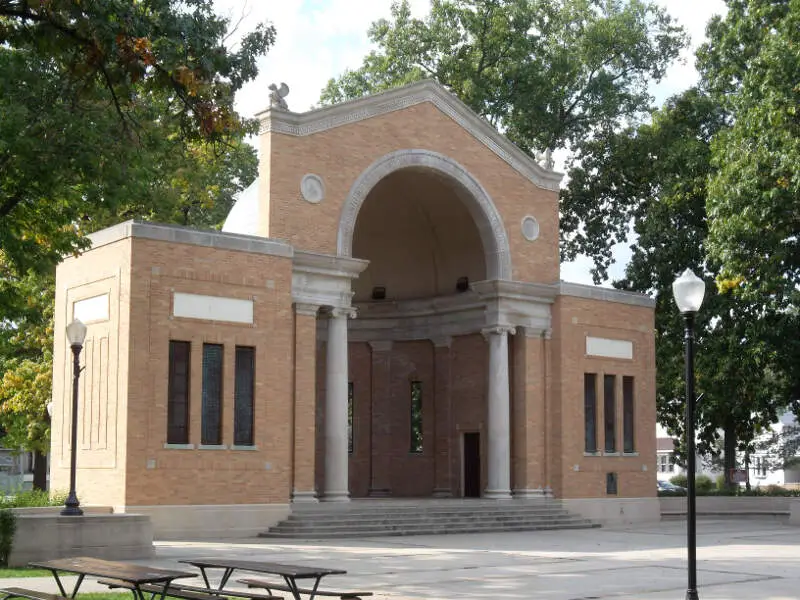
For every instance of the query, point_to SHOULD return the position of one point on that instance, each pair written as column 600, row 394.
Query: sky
column 319, row 39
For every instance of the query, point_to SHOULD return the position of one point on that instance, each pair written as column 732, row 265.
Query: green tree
column 751, row 64
column 111, row 110
column 549, row 73
column 653, row 178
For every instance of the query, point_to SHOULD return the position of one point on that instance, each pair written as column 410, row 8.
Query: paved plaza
column 742, row 559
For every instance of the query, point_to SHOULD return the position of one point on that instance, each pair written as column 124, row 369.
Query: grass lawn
column 24, row 572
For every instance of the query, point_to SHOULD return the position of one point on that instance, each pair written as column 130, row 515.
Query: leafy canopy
column 549, row 73
column 112, row 109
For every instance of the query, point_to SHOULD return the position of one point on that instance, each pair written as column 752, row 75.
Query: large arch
column 477, row 200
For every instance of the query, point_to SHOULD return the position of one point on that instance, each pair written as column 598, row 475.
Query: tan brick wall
column 341, row 154
column 102, row 417
column 209, row 476
column 574, row 319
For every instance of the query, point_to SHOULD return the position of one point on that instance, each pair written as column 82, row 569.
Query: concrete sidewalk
column 746, row 560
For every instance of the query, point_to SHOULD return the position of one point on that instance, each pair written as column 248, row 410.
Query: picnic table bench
column 16, row 592
column 190, row 592
column 290, row 574
column 136, row 577
column 269, row 586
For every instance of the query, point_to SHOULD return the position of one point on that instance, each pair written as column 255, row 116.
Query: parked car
column 665, row 487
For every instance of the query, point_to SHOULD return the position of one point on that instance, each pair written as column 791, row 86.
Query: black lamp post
column 76, row 333
column 689, row 290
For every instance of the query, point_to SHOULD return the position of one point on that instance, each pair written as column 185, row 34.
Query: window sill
column 611, row 454
column 630, row 454
column 592, row 454
column 178, row 446
column 245, row 448
column 212, row 447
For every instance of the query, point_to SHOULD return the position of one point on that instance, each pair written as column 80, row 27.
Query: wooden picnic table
column 290, row 573
column 135, row 575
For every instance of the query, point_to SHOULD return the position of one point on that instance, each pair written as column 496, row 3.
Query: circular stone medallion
column 312, row 188
column 530, row 228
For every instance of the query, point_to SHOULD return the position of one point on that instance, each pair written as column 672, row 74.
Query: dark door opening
column 472, row 465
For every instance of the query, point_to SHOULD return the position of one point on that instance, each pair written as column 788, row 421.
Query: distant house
column 762, row 470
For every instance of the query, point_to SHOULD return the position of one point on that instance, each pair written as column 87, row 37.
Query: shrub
column 8, row 525
column 703, row 484
column 680, row 480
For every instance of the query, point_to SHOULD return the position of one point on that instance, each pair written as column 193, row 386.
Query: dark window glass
column 611, row 484
column 416, row 416
column 211, row 425
column 178, row 393
column 243, row 396
column 590, row 411
column 350, row 417
column 627, row 415
column 610, row 413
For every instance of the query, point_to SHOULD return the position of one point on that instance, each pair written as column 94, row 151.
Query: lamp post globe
column 76, row 334
column 689, row 291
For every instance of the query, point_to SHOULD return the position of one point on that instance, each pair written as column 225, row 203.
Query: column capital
column 348, row 312
column 442, row 341
column 303, row 308
column 498, row 330
column 381, row 345
column 535, row 332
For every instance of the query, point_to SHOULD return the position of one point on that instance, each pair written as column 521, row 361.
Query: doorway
column 472, row 465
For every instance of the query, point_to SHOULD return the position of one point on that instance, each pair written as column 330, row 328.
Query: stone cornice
column 591, row 292
column 185, row 235
column 328, row 264
column 353, row 111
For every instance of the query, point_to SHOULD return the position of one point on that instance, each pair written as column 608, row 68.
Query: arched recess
column 478, row 203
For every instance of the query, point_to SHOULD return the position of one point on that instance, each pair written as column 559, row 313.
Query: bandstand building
column 382, row 316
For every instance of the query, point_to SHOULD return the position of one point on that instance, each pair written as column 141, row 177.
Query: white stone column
column 499, row 414
column 336, row 482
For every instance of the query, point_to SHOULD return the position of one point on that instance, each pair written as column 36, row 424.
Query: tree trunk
column 747, row 469
column 730, row 453
column 39, row 471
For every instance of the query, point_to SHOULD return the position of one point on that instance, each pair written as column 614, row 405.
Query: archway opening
column 419, row 236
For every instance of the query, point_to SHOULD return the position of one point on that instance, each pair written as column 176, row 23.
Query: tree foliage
column 549, row 73
column 670, row 183
column 111, row 110
column 752, row 65
column 653, row 179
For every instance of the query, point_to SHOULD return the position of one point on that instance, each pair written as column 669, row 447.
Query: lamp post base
column 72, row 508
column 692, row 595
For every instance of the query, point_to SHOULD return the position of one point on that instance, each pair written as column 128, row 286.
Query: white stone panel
column 212, row 308
column 609, row 348
column 91, row 309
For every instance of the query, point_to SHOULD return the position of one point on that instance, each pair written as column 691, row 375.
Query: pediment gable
column 279, row 120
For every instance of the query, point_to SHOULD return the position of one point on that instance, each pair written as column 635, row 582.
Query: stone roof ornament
column 277, row 96
column 545, row 159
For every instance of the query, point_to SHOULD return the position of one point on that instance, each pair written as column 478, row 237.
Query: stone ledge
column 48, row 535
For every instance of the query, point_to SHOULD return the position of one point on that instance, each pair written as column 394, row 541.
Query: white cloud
column 319, row 39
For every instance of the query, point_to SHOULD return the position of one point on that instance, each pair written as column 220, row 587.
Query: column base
column 497, row 494
column 304, row 497
column 336, row 497
column 442, row 493
column 525, row 493
column 379, row 493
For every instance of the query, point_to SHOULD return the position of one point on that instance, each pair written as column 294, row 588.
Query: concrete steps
column 371, row 518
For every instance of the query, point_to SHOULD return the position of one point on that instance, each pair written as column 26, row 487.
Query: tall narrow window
column 610, row 412
column 628, row 442
column 350, row 400
column 178, row 393
column 211, row 422
column 590, row 411
column 416, row 416
column 243, row 396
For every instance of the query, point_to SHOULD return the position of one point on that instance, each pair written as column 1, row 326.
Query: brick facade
column 421, row 230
